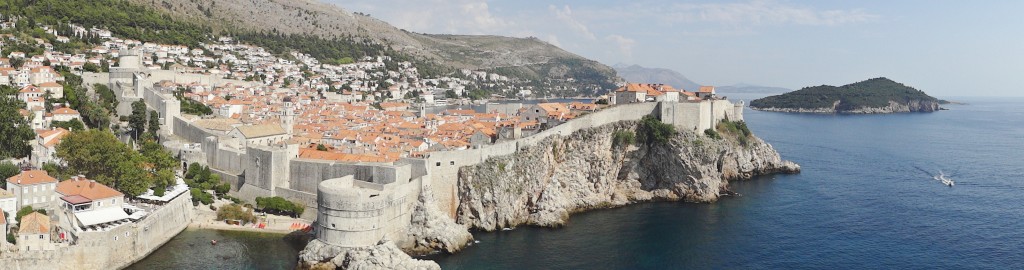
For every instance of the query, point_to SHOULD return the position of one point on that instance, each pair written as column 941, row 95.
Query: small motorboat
column 945, row 180
column 213, row 242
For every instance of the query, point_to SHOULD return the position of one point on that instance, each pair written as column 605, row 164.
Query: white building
column 92, row 204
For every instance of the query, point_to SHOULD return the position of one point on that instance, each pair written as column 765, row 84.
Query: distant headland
column 878, row 95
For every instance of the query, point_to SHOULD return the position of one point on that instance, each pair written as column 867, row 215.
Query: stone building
column 259, row 135
column 34, row 188
column 34, row 232
column 91, row 204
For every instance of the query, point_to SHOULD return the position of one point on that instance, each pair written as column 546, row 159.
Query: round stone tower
column 350, row 216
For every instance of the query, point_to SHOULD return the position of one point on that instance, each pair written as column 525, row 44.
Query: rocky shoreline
column 893, row 107
column 543, row 184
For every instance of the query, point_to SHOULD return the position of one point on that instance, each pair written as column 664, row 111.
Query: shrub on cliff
column 623, row 137
column 711, row 133
column 735, row 128
column 652, row 130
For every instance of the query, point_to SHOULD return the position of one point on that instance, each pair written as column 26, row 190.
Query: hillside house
column 93, row 205
column 34, row 188
column 34, row 232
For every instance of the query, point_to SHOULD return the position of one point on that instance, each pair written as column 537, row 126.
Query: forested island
column 878, row 95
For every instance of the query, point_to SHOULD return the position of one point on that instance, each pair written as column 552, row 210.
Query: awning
column 100, row 216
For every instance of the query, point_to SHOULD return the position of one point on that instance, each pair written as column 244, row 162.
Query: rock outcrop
column 384, row 255
column 543, row 184
column 432, row 231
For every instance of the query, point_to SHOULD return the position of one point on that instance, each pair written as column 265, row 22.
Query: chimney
column 92, row 183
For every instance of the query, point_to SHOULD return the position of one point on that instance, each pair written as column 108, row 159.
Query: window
column 40, row 236
column 439, row 164
column 332, row 226
column 452, row 162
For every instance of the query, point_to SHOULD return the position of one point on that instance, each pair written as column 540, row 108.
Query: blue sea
column 866, row 199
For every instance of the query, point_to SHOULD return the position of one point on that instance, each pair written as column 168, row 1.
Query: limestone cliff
column 544, row 183
column 431, row 230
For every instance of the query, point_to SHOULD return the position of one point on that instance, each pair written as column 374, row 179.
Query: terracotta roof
column 34, row 223
column 707, row 89
column 31, row 177
column 49, row 84
column 3, row 219
column 86, row 188
column 76, row 199
column 65, row 110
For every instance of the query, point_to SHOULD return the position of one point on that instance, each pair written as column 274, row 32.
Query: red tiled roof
column 31, row 177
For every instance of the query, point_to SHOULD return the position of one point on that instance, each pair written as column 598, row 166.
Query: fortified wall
column 366, row 202
column 443, row 166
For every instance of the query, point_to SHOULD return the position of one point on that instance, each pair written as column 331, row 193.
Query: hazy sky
column 946, row 48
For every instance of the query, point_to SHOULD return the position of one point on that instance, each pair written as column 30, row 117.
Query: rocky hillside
column 878, row 95
column 543, row 184
column 525, row 58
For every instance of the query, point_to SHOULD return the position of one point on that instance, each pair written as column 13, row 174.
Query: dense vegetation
column 122, row 18
column 200, row 179
column 623, row 137
column 737, row 129
column 278, row 205
column 99, row 156
column 15, row 132
column 873, row 93
column 235, row 211
column 7, row 169
column 652, row 130
column 190, row 106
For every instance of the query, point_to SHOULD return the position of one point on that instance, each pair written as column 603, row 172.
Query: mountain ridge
column 526, row 58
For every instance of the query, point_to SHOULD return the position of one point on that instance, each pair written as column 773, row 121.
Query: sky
column 945, row 48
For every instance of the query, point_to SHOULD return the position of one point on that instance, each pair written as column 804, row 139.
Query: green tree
column 154, row 123
column 321, row 147
column 98, row 155
column 652, row 130
column 72, row 125
column 7, row 169
column 15, row 131
column 137, row 120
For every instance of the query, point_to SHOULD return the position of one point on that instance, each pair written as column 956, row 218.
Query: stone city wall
column 443, row 166
column 186, row 130
column 165, row 104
